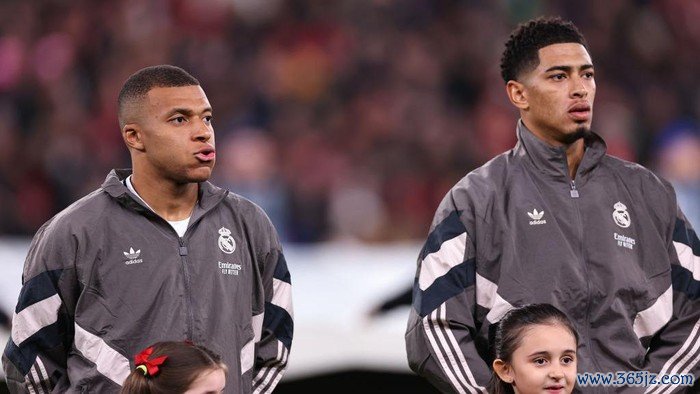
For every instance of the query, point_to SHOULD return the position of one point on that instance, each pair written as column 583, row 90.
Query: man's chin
column 199, row 175
column 581, row 132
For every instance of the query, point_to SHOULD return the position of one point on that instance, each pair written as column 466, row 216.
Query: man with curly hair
column 556, row 220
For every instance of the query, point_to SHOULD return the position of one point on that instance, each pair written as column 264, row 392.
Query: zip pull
column 573, row 191
column 183, row 248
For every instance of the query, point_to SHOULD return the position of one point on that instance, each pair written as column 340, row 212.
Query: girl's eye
column 539, row 361
column 567, row 360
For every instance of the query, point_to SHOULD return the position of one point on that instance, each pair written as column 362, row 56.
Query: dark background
column 345, row 119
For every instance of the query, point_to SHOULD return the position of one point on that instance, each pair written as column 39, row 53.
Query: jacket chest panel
column 601, row 245
column 541, row 242
column 623, row 245
column 223, row 259
column 146, row 270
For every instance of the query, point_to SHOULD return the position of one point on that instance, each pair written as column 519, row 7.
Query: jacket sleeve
column 35, row 357
column 441, row 329
column 674, row 349
column 275, row 326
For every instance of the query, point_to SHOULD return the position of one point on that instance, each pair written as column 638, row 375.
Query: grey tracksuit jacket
column 612, row 250
column 107, row 277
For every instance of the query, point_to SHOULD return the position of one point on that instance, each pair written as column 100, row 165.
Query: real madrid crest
column 620, row 215
column 226, row 242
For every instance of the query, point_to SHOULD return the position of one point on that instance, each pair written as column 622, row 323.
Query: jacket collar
column 209, row 195
column 551, row 160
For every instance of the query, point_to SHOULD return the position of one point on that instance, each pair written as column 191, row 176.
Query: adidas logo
column 132, row 257
column 536, row 217
column 131, row 254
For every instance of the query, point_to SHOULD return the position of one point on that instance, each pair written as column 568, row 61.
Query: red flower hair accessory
column 149, row 367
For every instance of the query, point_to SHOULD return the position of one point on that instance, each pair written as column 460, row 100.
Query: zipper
column 183, row 252
column 573, row 192
column 188, row 291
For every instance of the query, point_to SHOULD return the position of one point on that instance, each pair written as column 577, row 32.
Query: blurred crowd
column 345, row 119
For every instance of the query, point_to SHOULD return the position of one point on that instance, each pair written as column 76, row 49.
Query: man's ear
column 503, row 370
column 133, row 136
column 517, row 94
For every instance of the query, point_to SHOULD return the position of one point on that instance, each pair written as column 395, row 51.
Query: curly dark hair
column 521, row 53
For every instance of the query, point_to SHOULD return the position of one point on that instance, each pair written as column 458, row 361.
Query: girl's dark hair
column 185, row 362
column 509, row 334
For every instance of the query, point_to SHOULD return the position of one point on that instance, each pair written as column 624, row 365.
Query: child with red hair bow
column 176, row 367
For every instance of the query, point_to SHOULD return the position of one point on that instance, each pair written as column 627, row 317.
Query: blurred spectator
column 248, row 164
column 344, row 120
column 357, row 211
column 678, row 160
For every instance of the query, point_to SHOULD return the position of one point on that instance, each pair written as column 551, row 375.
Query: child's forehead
column 546, row 328
column 547, row 336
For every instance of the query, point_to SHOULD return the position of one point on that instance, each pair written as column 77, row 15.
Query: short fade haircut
column 523, row 45
column 142, row 81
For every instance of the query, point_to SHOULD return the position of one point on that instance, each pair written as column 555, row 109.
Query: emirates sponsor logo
column 229, row 268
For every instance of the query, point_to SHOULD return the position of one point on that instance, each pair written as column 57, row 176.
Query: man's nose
column 578, row 89
column 204, row 132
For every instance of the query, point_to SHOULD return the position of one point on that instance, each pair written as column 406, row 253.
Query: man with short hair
column 157, row 253
column 556, row 220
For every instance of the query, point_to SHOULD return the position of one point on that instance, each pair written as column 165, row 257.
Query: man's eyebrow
column 186, row 111
column 569, row 68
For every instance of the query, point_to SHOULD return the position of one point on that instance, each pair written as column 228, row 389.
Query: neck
column 574, row 155
column 170, row 200
column 574, row 150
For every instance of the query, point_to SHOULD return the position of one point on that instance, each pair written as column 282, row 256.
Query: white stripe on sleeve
column 247, row 356
column 108, row 361
column 282, row 295
column 35, row 317
column 687, row 259
column 487, row 296
column 460, row 356
column 650, row 320
column 36, row 380
column 437, row 264
column 276, row 375
column 673, row 363
column 447, row 351
column 268, row 371
column 257, row 323
column 441, row 358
